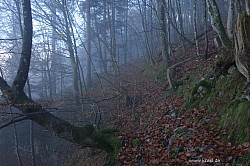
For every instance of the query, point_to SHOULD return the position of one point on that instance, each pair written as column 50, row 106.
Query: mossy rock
column 204, row 83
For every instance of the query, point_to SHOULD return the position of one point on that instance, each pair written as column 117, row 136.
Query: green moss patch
column 136, row 143
column 237, row 120
column 111, row 158
column 204, row 83
column 104, row 138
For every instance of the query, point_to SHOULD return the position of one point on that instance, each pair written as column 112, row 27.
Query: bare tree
column 205, row 29
column 180, row 23
column 142, row 11
column 195, row 28
column 163, row 33
column 85, row 136
column 88, row 48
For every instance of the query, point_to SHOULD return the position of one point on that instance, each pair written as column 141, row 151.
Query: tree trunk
column 69, row 43
column 242, row 48
column 205, row 29
column 105, row 38
column 88, row 47
column 180, row 23
column 216, row 23
column 195, row 28
column 16, row 141
column 32, row 149
column 163, row 34
column 144, row 26
column 230, row 19
column 173, row 23
column 247, row 7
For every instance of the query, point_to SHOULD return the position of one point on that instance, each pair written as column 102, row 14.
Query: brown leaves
column 150, row 122
column 204, row 144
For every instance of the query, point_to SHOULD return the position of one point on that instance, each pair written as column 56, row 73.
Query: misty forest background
column 93, row 62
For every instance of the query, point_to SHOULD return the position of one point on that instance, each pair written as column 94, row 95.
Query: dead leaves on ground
column 153, row 127
column 206, row 145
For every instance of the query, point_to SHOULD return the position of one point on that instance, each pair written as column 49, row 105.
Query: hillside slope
column 206, row 119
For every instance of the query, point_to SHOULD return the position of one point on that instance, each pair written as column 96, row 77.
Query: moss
column 111, row 158
column 108, row 130
column 111, row 144
column 176, row 152
column 165, row 130
column 235, row 119
column 136, row 142
column 204, row 83
column 222, row 97
column 181, row 131
column 245, row 160
column 102, row 141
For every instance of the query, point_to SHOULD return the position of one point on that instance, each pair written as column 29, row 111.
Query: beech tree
column 163, row 33
column 88, row 48
column 241, row 37
column 216, row 23
column 85, row 136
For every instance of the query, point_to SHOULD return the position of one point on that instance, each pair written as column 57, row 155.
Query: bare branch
column 13, row 121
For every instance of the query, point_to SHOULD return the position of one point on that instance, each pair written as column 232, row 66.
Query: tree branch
column 13, row 121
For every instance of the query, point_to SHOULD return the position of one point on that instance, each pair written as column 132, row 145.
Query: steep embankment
column 206, row 119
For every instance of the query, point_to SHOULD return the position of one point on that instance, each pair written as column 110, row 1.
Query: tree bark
column 144, row 26
column 242, row 48
column 180, row 23
column 230, row 19
column 216, row 23
column 163, row 33
column 195, row 28
column 205, row 29
column 69, row 42
column 88, row 47
column 247, row 7
column 16, row 142
column 105, row 38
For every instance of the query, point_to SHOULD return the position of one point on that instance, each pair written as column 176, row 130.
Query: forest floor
column 160, row 126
